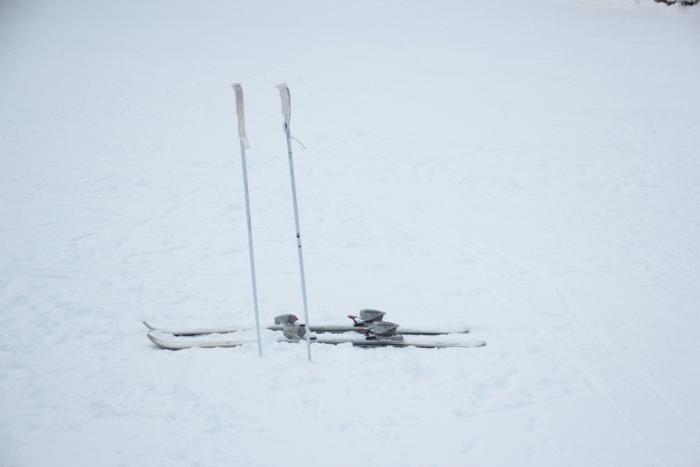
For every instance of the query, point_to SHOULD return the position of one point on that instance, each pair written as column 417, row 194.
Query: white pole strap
column 286, row 100
column 241, row 115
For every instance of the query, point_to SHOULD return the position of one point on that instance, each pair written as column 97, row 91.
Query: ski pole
column 287, row 112
column 244, row 144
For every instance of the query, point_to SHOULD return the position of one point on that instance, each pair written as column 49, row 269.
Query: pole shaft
column 298, row 235
column 251, row 253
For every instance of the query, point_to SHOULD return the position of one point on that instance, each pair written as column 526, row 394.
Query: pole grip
column 241, row 114
column 285, row 99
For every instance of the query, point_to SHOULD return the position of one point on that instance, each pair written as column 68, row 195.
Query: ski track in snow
column 601, row 339
column 527, row 169
column 589, row 373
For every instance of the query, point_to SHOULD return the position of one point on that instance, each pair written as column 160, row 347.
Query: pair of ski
column 369, row 331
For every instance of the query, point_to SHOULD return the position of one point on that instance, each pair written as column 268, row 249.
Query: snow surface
column 526, row 168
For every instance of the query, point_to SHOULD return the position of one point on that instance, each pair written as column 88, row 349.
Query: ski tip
column 153, row 339
column 145, row 323
column 157, row 336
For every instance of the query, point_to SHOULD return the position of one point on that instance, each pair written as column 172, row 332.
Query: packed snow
column 528, row 169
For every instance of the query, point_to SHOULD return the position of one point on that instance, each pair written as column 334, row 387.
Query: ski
column 360, row 324
column 172, row 342
column 195, row 331
column 317, row 328
column 398, row 341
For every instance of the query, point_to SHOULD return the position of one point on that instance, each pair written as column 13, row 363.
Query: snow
column 528, row 169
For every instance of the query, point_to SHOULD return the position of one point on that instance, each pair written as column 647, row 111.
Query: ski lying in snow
column 195, row 331
column 396, row 341
column 318, row 328
column 360, row 324
column 172, row 342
